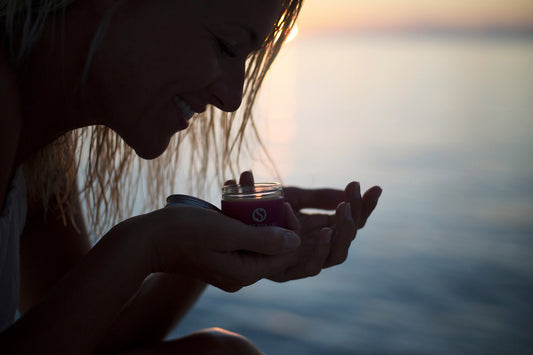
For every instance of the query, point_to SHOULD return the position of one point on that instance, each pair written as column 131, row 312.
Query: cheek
column 194, row 67
column 176, row 68
column 200, row 75
column 137, row 70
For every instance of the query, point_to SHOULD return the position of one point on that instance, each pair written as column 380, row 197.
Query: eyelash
column 226, row 48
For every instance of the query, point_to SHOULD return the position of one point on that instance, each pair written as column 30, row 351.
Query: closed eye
column 226, row 48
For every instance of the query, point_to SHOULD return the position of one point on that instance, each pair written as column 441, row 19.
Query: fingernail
column 348, row 211
column 291, row 241
column 380, row 191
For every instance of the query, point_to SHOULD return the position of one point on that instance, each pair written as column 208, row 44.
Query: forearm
column 49, row 249
column 162, row 301
column 74, row 315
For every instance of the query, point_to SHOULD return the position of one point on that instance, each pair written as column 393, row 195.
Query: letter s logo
column 259, row 215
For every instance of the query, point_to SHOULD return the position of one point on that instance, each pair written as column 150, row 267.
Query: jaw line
column 185, row 109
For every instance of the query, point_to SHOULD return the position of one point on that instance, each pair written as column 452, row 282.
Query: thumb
column 266, row 240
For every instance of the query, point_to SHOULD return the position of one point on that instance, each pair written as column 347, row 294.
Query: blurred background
column 433, row 101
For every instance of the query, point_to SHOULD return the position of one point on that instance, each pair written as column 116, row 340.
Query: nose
column 226, row 90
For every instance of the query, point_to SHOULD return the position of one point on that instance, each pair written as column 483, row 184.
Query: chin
column 151, row 151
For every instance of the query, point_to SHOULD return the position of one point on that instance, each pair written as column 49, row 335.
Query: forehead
column 259, row 15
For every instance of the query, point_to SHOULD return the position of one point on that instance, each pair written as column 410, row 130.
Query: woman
column 142, row 69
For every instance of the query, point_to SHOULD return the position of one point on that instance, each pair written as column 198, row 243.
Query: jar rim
column 260, row 187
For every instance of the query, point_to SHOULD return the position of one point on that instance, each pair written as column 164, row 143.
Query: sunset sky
column 342, row 15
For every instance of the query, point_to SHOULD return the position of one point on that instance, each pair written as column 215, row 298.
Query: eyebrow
column 253, row 36
column 254, row 39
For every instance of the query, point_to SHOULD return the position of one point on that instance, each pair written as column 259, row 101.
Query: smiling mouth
column 184, row 108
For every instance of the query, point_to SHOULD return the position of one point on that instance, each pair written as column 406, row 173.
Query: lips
column 183, row 107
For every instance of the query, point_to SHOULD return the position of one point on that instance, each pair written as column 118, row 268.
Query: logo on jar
column 259, row 215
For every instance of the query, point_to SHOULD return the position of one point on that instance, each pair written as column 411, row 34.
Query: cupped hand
column 351, row 213
column 214, row 248
column 325, row 238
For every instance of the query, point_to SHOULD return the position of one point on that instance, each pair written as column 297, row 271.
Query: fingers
column 217, row 249
column 311, row 258
column 370, row 201
column 246, row 178
column 362, row 207
column 264, row 240
column 230, row 182
column 326, row 199
column 320, row 254
column 310, row 222
column 291, row 221
column 353, row 197
column 251, row 268
column 214, row 231
column 343, row 235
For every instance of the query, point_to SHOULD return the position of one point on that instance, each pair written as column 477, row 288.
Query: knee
column 216, row 341
column 212, row 341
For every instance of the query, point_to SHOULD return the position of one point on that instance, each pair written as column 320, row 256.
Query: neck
column 53, row 99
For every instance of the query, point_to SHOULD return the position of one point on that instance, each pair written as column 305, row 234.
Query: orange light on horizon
column 346, row 15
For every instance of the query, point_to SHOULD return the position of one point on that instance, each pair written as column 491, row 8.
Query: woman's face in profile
column 162, row 60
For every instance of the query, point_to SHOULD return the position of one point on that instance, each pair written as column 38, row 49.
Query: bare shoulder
column 10, row 122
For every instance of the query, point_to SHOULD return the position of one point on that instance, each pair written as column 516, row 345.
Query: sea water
column 445, row 264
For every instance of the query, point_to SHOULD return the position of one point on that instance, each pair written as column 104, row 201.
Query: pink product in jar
column 259, row 205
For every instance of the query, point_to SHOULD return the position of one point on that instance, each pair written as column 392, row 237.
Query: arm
column 49, row 249
column 162, row 301
column 75, row 314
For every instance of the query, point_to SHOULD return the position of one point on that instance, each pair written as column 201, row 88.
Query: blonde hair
column 110, row 169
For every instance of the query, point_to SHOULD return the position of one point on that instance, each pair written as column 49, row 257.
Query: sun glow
column 292, row 35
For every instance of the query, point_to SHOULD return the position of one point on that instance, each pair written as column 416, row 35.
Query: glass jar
column 260, row 204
